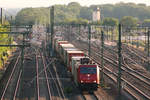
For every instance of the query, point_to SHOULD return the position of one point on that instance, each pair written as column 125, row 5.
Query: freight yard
column 74, row 59
column 48, row 78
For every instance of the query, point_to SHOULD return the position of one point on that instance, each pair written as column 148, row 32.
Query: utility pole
column 79, row 27
column 148, row 49
column 11, row 18
column 1, row 16
column 119, row 64
column 22, row 51
column 102, row 58
column 89, row 51
column 52, row 26
column 47, row 38
column 145, row 37
column 5, row 18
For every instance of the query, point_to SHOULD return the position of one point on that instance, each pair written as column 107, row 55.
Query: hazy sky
column 46, row 3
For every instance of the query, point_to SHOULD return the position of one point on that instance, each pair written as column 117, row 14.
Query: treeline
column 74, row 12
column 4, row 39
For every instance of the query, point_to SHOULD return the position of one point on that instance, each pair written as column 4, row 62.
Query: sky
column 46, row 3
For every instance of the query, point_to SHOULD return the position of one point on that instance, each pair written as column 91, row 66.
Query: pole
column 22, row 52
column 11, row 18
column 1, row 15
column 5, row 18
column 52, row 25
column 148, row 49
column 9, row 35
column 79, row 31
column 89, row 51
column 48, row 39
column 22, row 63
column 102, row 58
column 69, row 32
column 107, row 32
column 145, row 39
column 119, row 64
column 112, row 35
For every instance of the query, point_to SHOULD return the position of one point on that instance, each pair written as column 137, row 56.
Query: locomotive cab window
column 87, row 70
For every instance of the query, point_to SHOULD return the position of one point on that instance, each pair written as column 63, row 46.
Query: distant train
column 85, row 72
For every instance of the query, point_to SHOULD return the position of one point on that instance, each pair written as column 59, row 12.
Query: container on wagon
column 55, row 40
column 71, row 54
column 61, row 52
column 58, row 44
column 65, row 49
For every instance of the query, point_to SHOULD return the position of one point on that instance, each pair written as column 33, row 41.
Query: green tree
column 146, row 23
column 110, row 22
column 75, row 11
column 129, row 21
column 4, row 39
column 76, row 21
column 86, row 13
column 30, row 16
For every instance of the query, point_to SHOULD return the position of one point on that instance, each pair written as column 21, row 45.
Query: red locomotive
column 85, row 73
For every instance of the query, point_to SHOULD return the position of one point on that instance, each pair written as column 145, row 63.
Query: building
column 96, row 15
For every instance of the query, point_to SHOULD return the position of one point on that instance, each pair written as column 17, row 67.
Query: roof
column 62, row 41
column 70, row 49
column 77, row 51
column 77, row 57
column 67, row 45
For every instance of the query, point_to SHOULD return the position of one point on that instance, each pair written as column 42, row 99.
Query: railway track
column 13, row 85
column 135, row 52
column 57, row 86
column 43, row 86
column 113, row 76
column 130, row 72
column 127, row 68
column 140, row 60
column 17, row 86
column 89, row 96
column 125, row 64
column 54, row 77
column 37, row 77
column 134, row 75
column 11, row 82
column 47, row 81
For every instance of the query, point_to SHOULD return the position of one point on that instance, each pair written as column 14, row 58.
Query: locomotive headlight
column 94, row 81
column 81, row 81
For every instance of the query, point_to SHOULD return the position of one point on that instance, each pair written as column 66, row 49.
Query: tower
column 96, row 15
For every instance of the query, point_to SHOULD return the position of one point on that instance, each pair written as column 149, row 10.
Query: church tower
column 96, row 15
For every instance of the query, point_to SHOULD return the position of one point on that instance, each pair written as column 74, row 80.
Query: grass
column 1, row 73
column 68, row 90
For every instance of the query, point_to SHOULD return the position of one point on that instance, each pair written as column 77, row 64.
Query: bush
column 68, row 90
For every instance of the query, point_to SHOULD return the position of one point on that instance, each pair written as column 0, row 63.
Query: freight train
column 85, row 72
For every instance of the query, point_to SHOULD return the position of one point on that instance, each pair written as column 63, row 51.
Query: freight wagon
column 71, row 54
